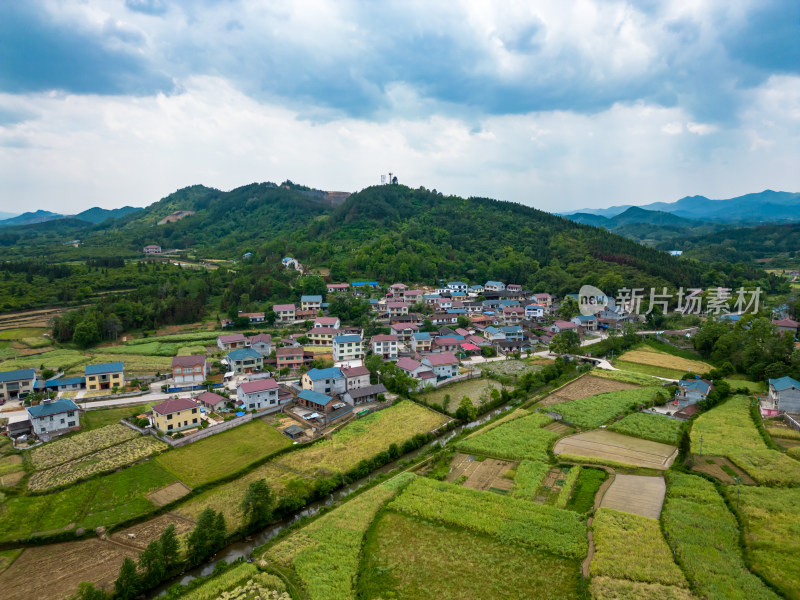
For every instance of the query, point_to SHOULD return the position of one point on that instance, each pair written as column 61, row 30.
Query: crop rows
column 654, row 358
column 594, row 411
column 337, row 534
column 244, row 582
column 509, row 519
column 514, row 440
column 628, row 377
column 101, row 461
column 529, row 476
column 705, row 538
column 657, row 428
column 569, row 485
column 75, row 446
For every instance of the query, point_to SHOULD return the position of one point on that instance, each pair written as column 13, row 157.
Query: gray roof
column 369, row 390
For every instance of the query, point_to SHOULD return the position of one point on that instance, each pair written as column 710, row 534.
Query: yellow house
column 176, row 414
column 105, row 376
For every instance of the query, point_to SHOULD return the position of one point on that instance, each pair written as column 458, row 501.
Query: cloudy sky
column 560, row 104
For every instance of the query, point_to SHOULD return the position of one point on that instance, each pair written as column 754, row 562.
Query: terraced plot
column 636, row 495
column 607, row 446
column 583, row 387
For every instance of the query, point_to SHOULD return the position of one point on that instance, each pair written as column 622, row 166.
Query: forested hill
column 775, row 242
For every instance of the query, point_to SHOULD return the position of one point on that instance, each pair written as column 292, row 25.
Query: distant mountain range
column 93, row 215
column 763, row 207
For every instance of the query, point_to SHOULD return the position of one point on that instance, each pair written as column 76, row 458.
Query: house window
column 169, row 427
column 71, row 413
column 194, row 411
column 194, row 420
column 169, row 417
column 71, row 424
column 62, row 421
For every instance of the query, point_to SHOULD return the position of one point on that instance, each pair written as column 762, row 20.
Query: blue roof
column 476, row 287
column 509, row 303
column 315, row 397
column 52, row 408
column 573, row 296
column 457, row 294
column 330, row 373
column 511, row 329
column 422, row 335
column 492, row 330
column 114, row 367
column 431, row 296
column 65, row 381
column 347, row 338
column 456, row 311
column 287, row 258
column 17, row 375
column 694, row 384
column 494, row 283
column 784, row 383
column 310, row 298
column 456, row 283
column 731, row 317
column 243, row 353
column 587, row 318
column 374, row 301
column 358, row 283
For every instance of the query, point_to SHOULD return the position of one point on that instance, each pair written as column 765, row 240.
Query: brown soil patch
column 169, row 493
column 584, row 387
column 701, row 465
column 14, row 459
column 138, row 536
column 11, row 479
column 481, row 475
column 559, row 428
column 636, row 494
column 53, row 572
column 611, row 446
column 786, row 443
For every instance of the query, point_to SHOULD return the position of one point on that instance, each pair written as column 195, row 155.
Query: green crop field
column 508, row 519
column 628, row 377
column 771, row 518
column 450, row 563
column 589, row 482
column 477, row 390
column 103, row 501
column 95, row 419
column 224, row 453
column 69, row 448
column 728, row 430
column 705, row 537
column 19, row 333
column 134, row 364
column 242, row 582
column 197, row 337
column 514, row 440
column 652, row 427
column 573, row 472
column 363, row 439
column 754, row 387
column 528, row 478
column 594, row 411
column 339, row 533
column 52, row 359
column 649, row 370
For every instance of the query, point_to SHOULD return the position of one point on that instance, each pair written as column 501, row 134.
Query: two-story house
column 176, row 414
column 534, row 311
column 586, row 322
column 347, row 347
column 413, row 296
column 404, row 331
column 105, row 376
column 692, row 391
column 446, row 343
column 784, row 393
column 261, row 343
column 259, row 395
column 54, row 417
column 513, row 333
column 421, row 342
column 513, row 315
column 245, row 360
column 475, row 290
column 313, row 302
column 494, row 286
column 356, row 377
column 16, row 383
column 395, row 309
column 329, row 381
column 329, row 322
column 322, row 336
column 284, row 313
column 457, row 286
column 443, row 365
column 385, row 346
column 189, row 370
column 290, row 357
column 232, row 341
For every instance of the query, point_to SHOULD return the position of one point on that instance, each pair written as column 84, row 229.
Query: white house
column 330, row 322
column 444, row 364
column 533, row 311
column 261, row 343
column 329, row 381
column 494, row 286
column 784, row 393
column 457, row 286
column 14, row 383
column 356, row 377
column 259, row 395
column 385, row 346
column 58, row 416
column 348, row 347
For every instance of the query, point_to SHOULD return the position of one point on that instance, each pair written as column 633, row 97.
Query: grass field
column 19, row 333
column 191, row 338
column 650, row 427
column 514, row 440
column 594, row 411
column 508, row 519
column 104, row 501
column 339, row 533
column 449, row 563
column 478, row 390
column 705, row 538
column 728, row 430
column 69, row 448
column 95, row 419
column 242, row 582
column 224, row 453
column 134, row 364
column 52, row 359
column 7, row 557
column 363, row 439
column 528, row 477
column 589, row 482
column 646, row 355
column 754, row 387
column 628, row 546
column 11, row 464
column 649, row 370
column 771, row 518
column 627, row 377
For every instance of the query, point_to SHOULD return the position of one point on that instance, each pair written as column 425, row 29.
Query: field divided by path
column 609, row 446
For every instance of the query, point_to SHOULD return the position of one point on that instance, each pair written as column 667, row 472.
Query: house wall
column 9, row 389
column 252, row 364
column 353, row 383
column 105, row 381
column 53, row 423
column 183, row 419
column 265, row 399
column 789, row 400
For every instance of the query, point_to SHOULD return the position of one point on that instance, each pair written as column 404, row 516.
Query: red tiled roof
column 278, row 307
column 260, row 337
column 211, row 398
column 355, row 371
column 384, row 337
column 231, row 337
column 174, row 405
column 407, row 364
column 288, row 351
column 261, row 385
column 786, row 323
column 188, row 361
column 444, row 358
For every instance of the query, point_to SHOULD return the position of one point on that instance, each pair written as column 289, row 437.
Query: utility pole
column 738, row 480
column 701, row 444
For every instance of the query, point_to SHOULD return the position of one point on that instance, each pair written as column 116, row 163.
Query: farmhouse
column 347, row 347
column 315, row 401
column 291, row 357
column 284, row 313
column 105, row 376
column 191, row 370
column 245, row 360
column 587, row 322
column 330, row 322
column 494, row 286
column 786, row 325
column 784, row 393
column 14, row 383
column 310, row 303
column 290, row 263
column 560, row 326
column 364, row 394
column 324, row 381
column 152, row 249
column 692, row 391
column 322, row 336
column 176, row 414
column 259, row 395
column 212, row 401
column 256, row 317
column 443, row 365
column 58, row 416
column 356, row 377
column 337, row 287
column 261, row 343
column 65, row 384
column 231, row 342
column 385, row 346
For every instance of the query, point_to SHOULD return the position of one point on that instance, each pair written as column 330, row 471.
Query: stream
column 245, row 547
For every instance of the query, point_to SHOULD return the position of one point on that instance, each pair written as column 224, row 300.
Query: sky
column 555, row 104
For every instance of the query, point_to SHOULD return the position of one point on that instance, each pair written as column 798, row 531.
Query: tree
column 87, row 591
column 466, row 410
column 199, row 544
column 258, row 503
column 565, row 342
column 151, row 564
column 568, row 309
column 219, row 533
column 127, row 584
column 86, row 334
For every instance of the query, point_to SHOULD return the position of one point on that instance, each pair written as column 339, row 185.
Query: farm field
column 95, row 419
column 488, row 474
column 515, row 368
column 728, row 430
column 584, row 387
column 721, row 468
column 754, row 387
column 135, row 364
column 224, row 453
column 636, row 494
column 510, row 520
column 654, row 358
column 632, row 547
column 594, row 411
column 69, row 448
column 608, row 446
column 649, row 370
column 771, row 518
column 242, row 582
column 648, row 426
column 528, row 478
column 478, row 390
column 363, row 439
column 450, row 563
column 66, row 566
column 339, row 533
column 11, row 464
column 705, row 538
column 632, row 377
column 7, row 557
column 104, row 460
column 103, row 501
column 52, row 359
column 586, row 488
column 513, row 440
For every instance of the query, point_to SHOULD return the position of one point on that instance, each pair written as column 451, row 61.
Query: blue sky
column 558, row 105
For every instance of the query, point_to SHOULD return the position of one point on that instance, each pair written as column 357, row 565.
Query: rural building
column 261, row 343
column 396, row 309
column 152, row 249
column 259, row 395
column 294, row 431
column 290, row 357
column 324, row 381
column 347, row 347
column 14, row 383
column 56, row 416
column 560, row 326
column 176, row 414
column 284, row 313
column 191, row 370
column 212, row 401
column 363, row 395
column 444, row 365
column 404, row 331
column 232, row 341
column 311, row 303
column 315, row 401
column 244, row 360
column 65, row 384
column 587, row 322
column 786, row 325
column 290, row 263
column 494, row 286
column 513, row 333
column 330, row 322
column 692, row 391
column 534, row 311
column 385, row 346
column 105, row 376
column 784, row 393
column 398, row 287
column 356, row 377
column 457, row 286
column 322, row 336
column 256, row 317
column 413, row 296
column 513, row 315
column 337, row 287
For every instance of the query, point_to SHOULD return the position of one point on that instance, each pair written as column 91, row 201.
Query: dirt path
column 608, row 445
column 715, row 469
column 636, row 494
